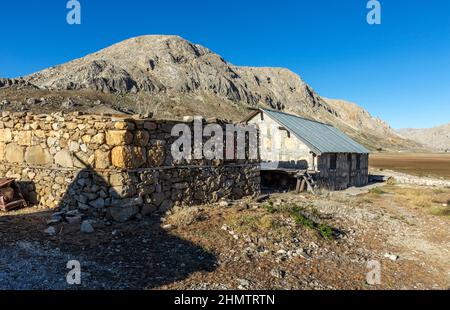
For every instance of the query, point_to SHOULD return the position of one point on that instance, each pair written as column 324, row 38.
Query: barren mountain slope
column 437, row 138
column 172, row 77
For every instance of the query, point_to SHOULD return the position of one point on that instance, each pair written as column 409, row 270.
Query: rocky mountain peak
column 169, row 69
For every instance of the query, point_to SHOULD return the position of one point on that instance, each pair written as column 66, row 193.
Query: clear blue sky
column 399, row 70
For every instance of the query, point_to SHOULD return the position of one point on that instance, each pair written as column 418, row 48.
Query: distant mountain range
column 437, row 138
column 171, row 77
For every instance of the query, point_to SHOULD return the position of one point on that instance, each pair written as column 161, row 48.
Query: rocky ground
column 289, row 241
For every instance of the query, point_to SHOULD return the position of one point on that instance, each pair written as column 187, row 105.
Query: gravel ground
column 33, row 266
column 241, row 246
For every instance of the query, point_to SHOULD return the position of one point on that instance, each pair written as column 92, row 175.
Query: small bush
column 269, row 208
column 391, row 181
column 325, row 231
column 300, row 218
column 267, row 222
column 377, row 191
column 441, row 211
column 304, row 221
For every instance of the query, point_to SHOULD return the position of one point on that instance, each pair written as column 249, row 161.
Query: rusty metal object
column 10, row 195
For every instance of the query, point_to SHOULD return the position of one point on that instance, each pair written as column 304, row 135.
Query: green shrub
column 269, row 207
column 324, row 230
column 377, row 191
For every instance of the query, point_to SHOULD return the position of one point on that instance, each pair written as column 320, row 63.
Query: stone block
column 141, row 138
column 37, row 156
column 14, row 153
column 64, row 159
column 24, row 138
column 5, row 135
column 128, row 157
column 119, row 137
column 98, row 139
column 2, row 151
column 156, row 154
column 102, row 159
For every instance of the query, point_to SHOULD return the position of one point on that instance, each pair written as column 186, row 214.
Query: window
column 358, row 161
column 333, row 161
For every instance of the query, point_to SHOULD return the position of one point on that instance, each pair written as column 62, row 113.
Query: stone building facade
column 112, row 166
column 289, row 142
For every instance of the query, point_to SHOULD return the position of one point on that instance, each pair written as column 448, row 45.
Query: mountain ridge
column 437, row 138
column 169, row 76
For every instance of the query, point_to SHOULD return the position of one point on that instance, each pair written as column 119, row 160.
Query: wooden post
column 297, row 187
column 302, row 187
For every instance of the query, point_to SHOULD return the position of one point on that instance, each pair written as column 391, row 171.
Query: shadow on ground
column 139, row 254
column 135, row 255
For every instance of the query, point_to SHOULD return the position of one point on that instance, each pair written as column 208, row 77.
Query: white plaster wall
column 290, row 148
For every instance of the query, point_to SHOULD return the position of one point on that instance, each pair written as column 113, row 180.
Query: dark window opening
column 358, row 162
column 333, row 161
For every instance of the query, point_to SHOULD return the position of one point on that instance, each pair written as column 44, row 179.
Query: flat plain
column 419, row 164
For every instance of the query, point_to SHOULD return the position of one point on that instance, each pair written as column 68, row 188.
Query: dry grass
column 432, row 201
column 254, row 222
column 182, row 217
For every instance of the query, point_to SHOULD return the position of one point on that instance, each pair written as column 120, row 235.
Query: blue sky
column 399, row 70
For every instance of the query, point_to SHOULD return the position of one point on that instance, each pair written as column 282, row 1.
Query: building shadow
column 138, row 254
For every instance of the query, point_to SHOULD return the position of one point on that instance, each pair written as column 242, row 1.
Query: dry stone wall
column 112, row 166
column 346, row 172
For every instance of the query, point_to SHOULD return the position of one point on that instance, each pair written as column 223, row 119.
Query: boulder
column 51, row 231
column 86, row 227
column 123, row 213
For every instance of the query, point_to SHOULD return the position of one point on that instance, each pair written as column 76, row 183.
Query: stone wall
column 346, row 173
column 112, row 166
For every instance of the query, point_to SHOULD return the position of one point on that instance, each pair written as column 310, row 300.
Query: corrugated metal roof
column 320, row 137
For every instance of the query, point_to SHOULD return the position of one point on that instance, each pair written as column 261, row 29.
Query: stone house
column 289, row 143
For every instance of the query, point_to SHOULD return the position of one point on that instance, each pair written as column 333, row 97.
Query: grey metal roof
column 320, row 137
